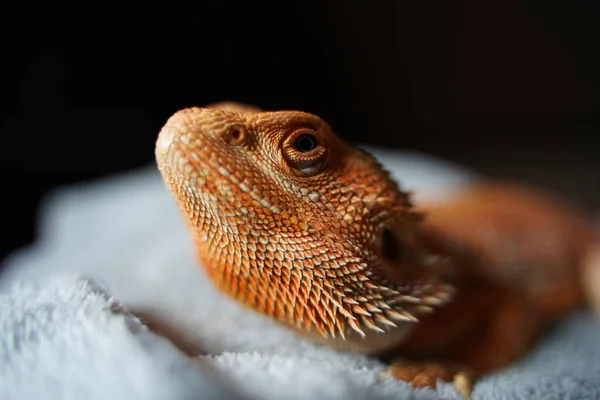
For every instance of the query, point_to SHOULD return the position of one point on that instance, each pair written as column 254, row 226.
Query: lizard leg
column 495, row 341
column 427, row 374
column 501, row 337
column 484, row 339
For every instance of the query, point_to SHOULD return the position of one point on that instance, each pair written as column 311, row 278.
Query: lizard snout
column 176, row 129
column 164, row 141
column 196, row 128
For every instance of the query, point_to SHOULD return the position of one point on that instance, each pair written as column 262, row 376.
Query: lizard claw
column 463, row 384
column 426, row 375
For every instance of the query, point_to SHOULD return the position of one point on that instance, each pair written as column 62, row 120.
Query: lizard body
column 296, row 224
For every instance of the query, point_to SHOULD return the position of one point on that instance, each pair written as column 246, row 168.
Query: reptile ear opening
column 390, row 245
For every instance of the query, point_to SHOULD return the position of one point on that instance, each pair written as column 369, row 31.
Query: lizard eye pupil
column 305, row 143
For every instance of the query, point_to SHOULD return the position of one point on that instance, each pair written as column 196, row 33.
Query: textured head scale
column 296, row 224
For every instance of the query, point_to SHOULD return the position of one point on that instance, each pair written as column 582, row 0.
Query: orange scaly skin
column 299, row 226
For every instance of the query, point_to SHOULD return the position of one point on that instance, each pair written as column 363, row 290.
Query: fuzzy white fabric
column 123, row 236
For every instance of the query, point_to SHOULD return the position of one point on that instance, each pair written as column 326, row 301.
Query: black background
column 508, row 87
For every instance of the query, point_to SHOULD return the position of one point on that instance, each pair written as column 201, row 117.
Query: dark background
column 507, row 87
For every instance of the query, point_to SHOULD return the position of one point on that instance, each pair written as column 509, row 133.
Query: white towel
column 61, row 339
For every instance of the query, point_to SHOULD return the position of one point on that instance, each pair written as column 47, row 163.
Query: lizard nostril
column 235, row 135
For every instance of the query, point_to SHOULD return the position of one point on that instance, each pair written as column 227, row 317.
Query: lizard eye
column 305, row 142
column 304, row 152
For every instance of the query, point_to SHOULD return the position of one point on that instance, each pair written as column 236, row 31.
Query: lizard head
column 298, row 225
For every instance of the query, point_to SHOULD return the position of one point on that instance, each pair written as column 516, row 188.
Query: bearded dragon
column 300, row 226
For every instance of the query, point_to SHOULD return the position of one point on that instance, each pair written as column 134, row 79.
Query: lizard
column 297, row 224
